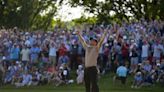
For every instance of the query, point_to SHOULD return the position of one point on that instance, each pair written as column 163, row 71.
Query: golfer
column 91, row 55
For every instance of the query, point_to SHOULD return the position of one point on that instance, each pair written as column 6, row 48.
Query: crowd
column 39, row 58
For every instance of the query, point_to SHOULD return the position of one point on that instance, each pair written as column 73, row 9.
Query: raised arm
column 81, row 39
column 102, row 39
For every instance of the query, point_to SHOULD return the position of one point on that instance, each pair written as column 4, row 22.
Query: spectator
column 10, row 73
column 52, row 53
column 25, row 55
column 157, row 49
column 147, row 67
column 138, row 79
column 34, row 52
column 105, row 58
column 57, row 79
column 27, row 80
column 145, row 51
column 14, row 53
column 63, row 60
column 80, row 74
column 121, row 74
column 134, row 58
column 149, row 79
column 74, row 55
column 141, row 43
column 62, row 50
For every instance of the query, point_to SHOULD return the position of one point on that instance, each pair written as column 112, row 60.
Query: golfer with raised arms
column 91, row 55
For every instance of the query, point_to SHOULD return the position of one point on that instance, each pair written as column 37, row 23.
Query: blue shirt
column 147, row 68
column 122, row 71
column 31, row 41
column 138, row 78
column 14, row 53
column 63, row 60
column 34, row 53
column 27, row 78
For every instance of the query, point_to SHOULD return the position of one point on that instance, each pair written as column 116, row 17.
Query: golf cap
column 93, row 38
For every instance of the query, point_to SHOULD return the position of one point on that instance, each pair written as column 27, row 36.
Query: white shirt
column 157, row 51
column 27, row 42
column 80, row 72
column 27, row 78
column 145, row 49
column 52, row 51
column 25, row 54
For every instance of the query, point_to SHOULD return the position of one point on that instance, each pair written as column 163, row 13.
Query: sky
column 68, row 13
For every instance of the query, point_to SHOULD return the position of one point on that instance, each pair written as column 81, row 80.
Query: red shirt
column 62, row 51
column 125, row 50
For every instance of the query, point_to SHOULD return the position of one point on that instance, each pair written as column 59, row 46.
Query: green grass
column 105, row 85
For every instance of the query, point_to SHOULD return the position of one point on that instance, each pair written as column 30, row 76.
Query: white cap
column 139, row 73
column 80, row 66
column 139, row 63
column 106, row 44
column 124, row 37
column 61, row 68
column 132, row 40
column 111, row 36
column 74, row 32
column 17, row 62
column 158, row 64
column 15, row 27
column 63, row 31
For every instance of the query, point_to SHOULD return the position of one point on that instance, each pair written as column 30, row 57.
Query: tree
column 123, row 9
column 26, row 13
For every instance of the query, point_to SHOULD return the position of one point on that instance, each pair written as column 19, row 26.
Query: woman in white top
column 52, row 53
column 145, row 51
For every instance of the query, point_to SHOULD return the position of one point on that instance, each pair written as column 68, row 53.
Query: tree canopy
column 27, row 14
column 39, row 14
column 136, row 9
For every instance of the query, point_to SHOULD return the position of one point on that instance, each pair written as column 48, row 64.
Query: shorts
column 52, row 59
column 134, row 60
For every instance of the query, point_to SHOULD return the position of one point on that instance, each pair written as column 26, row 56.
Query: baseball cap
column 93, row 38
column 80, row 66
column 139, row 73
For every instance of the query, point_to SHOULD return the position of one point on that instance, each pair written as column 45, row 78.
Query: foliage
column 39, row 14
column 123, row 9
column 27, row 14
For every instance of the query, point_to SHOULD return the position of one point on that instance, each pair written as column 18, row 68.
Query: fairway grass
column 105, row 83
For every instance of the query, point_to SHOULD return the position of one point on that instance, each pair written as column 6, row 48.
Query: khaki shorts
column 52, row 59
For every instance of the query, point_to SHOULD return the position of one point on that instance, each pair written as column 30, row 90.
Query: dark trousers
column 74, row 61
column 91, row 79
column 1, row 78
column 123, row 79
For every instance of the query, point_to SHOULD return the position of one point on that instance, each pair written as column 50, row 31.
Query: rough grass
column 105, row 84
